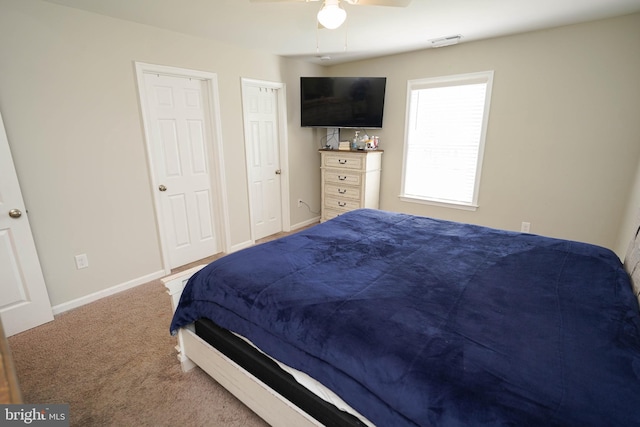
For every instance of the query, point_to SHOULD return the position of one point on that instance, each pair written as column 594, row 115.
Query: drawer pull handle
column 342, row 190
column 342, row 161
column 342, row 177
column 342, row 204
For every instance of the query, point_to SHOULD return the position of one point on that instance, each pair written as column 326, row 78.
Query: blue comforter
column 417, row 321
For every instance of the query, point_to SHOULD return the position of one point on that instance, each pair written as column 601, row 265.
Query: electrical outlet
column 82, row 261
column 299, row 203
column 525, row 227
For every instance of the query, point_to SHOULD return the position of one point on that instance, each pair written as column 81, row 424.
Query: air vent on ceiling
column 445, row 41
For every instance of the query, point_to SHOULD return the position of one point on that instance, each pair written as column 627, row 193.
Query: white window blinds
column 446, row 124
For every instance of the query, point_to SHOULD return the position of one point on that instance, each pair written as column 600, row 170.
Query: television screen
column 342, row 102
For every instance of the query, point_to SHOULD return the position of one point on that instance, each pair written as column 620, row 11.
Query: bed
column 415, row 321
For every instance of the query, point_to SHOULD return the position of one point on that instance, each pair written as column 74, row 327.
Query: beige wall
column 563, row 142
column 68, row 97
column 562, row 150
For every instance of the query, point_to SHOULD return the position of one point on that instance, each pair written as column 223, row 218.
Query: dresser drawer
column 341, row 204
column 342, row 191
column 339, row 177
column 353, row 162
column 330, row 214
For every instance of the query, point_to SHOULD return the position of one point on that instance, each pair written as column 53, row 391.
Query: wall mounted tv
column 342, row 102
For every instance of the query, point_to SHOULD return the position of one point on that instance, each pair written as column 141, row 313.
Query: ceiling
column 290, row 29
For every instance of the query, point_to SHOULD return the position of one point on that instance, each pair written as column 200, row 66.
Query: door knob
column 278, row 171
column 162, row 188
column 15, row 213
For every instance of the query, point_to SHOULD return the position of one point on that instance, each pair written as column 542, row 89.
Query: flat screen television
column 342, row 102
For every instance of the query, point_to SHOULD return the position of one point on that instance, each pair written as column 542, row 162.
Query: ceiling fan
column 331, row 15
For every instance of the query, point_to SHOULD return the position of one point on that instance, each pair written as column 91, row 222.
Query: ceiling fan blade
column 282, row 1
column 393, row 3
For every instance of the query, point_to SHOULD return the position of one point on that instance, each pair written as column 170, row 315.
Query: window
column 445, row 130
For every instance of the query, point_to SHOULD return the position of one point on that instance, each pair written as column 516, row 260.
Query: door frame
column 283, row 150
column 215, row 153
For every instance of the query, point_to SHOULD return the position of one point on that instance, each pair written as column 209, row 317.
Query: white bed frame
column 259, row 397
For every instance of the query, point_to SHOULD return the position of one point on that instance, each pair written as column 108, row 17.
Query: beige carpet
column 114, row 362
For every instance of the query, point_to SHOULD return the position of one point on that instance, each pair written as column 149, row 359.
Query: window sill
column 451, row 205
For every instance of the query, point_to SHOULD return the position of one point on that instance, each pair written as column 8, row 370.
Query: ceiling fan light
column 331, row 16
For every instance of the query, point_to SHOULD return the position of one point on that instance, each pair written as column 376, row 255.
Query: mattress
column 295, row 386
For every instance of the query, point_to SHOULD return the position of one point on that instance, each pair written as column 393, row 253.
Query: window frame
column 446, row 81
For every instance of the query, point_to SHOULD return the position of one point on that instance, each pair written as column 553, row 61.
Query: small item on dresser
column 344, row 145
column 372, row 144
column 362, row 142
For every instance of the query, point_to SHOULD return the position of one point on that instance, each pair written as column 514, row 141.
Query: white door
column 260, row 105
column 179, row 142
column 24, row 301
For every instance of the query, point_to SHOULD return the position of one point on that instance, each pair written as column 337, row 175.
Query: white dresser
column 350, row 180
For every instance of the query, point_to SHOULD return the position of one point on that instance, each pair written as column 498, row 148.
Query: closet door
column 180, row 142
column 264, row 170
column 24, row 301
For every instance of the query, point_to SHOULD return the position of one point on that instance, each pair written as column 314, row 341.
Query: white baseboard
column 305, row 223
column 249, row 243
column 240, row 246
column 78, row 302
